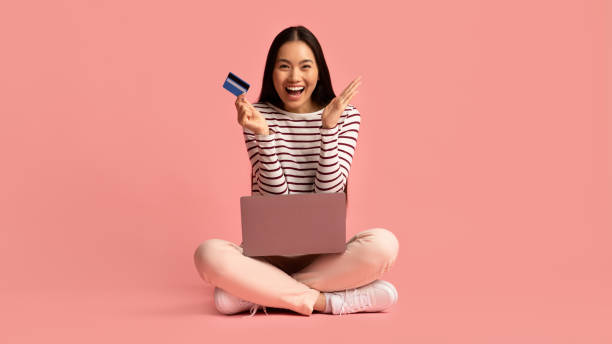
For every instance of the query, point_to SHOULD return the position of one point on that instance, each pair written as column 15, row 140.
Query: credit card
column 235, row 85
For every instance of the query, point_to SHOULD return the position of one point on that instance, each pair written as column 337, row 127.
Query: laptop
column 293, row 225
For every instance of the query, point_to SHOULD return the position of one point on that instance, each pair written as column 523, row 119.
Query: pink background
column 485, row 147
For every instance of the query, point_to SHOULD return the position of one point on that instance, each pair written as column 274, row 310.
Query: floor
column 431, row 309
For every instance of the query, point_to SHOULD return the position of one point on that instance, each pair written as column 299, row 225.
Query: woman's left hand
column 331, row 113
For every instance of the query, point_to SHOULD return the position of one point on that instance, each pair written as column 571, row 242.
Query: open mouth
column 294, row 92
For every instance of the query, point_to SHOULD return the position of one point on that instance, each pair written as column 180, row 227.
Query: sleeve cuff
column 329, row 131
column 264, row 137
column 265, row 141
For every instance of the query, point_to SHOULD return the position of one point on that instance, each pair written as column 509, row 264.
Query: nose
column 294, row 76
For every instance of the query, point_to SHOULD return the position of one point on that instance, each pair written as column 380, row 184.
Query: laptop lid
column 292, row 225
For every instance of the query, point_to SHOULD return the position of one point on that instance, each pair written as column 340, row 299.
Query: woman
column 300, row 138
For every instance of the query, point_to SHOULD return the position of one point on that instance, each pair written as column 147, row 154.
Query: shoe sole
column 220, row 297
column 389, row 287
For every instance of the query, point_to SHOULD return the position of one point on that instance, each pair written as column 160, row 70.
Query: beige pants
column 295, row 282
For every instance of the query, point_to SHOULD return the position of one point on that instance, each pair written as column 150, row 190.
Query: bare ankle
column 320, row 304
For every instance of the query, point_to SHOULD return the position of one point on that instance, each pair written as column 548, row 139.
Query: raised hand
column 250, row 118
column 333, row 110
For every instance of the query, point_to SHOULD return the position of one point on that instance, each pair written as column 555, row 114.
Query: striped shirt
column 299, row 156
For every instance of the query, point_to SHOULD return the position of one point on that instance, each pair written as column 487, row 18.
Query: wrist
column 265, row 131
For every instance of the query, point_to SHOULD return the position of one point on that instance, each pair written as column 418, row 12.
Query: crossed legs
column 368, row 255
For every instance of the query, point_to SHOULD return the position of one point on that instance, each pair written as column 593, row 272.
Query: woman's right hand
column 250, row 118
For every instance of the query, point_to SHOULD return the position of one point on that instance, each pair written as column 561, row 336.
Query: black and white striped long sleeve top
column 299, row 155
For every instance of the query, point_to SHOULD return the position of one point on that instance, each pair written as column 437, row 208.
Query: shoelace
column 254, row 310
column 360, row 300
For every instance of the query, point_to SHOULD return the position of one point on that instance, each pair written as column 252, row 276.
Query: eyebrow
column 285, row 60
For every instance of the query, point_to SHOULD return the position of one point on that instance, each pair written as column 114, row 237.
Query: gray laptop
column 293, row 225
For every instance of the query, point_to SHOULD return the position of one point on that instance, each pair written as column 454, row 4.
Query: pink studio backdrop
column 484, row 146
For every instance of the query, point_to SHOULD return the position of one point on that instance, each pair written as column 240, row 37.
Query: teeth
column 295, row 88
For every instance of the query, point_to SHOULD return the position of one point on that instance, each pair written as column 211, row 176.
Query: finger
column 354, row 82
column 345, row 96
column 346, row 90
column 241, row 117
column 353, row 85
column 348, row 99
column 245, row 102
column 355, row 88
column 240, row 98
column 244, row 108
column 332, row 102
column 251, row 107
column 242, row 111
column 241, row 107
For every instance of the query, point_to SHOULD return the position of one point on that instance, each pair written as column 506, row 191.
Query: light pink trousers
column 295, row 282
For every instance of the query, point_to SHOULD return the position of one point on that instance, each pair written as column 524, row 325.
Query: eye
column 283, row 65
column 306, row 66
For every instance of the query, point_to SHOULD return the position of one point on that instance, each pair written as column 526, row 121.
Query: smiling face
column 295, row 76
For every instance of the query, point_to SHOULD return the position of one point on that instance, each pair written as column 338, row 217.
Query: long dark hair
column 323, row 92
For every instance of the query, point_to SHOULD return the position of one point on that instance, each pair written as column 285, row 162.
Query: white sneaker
column 227, row 303
column 373, row 297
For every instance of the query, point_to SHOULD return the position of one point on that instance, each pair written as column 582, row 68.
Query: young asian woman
column 300, row 138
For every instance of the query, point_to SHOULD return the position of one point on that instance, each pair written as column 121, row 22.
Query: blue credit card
column 235, row 85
